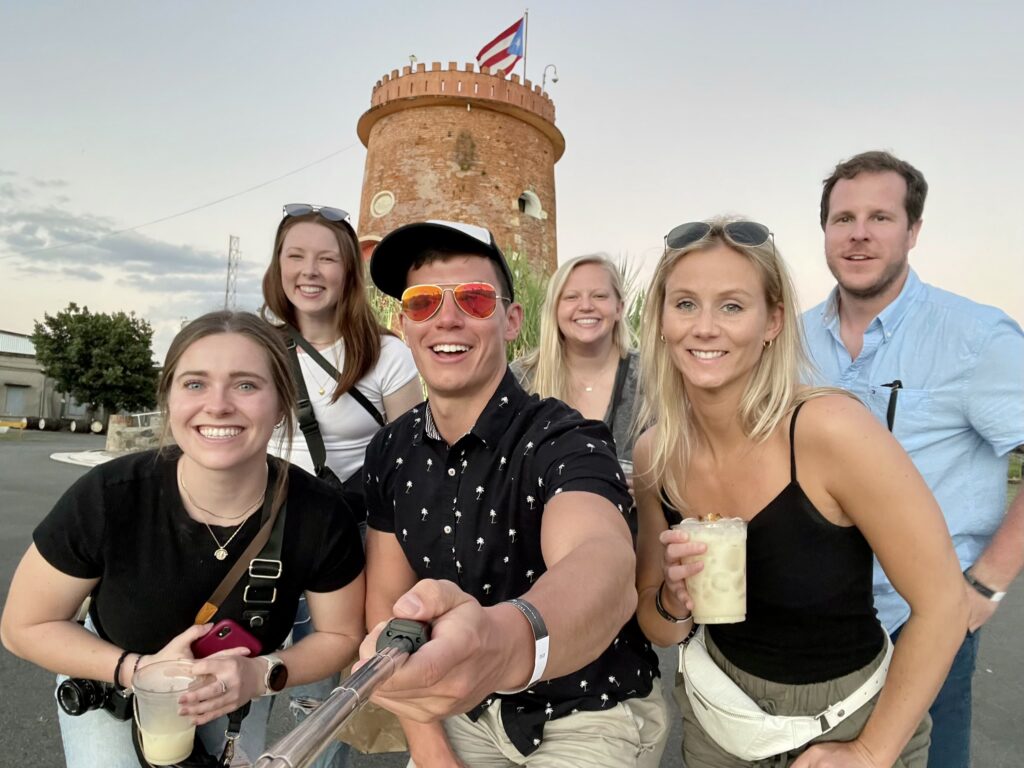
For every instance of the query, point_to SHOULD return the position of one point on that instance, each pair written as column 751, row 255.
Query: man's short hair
column 879, row 162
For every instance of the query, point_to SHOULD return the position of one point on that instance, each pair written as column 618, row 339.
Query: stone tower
column 466, row 146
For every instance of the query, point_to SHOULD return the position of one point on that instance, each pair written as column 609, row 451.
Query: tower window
column 529, row 204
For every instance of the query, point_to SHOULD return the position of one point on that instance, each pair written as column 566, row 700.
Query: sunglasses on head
column 422, row 302
column 331, row 214
column 742, row 233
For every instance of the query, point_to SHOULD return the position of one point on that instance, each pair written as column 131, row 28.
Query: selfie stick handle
column 304, row 744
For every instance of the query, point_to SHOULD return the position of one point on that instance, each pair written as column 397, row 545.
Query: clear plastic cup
column 166, row 736
column 719, row 590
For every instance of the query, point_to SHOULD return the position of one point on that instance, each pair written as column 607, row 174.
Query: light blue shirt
column 960, row 411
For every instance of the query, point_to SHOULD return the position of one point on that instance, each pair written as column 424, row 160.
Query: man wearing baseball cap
column 499, row 518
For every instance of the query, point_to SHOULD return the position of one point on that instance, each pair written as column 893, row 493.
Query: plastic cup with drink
column 719, row 589
column 166, row 736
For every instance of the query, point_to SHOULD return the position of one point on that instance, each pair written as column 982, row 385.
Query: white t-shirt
column 346, row 427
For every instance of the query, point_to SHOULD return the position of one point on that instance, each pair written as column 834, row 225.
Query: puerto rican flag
column 504, row 51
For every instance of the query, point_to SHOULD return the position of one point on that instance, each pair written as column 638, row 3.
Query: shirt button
column 451, row 472
column 447, row 529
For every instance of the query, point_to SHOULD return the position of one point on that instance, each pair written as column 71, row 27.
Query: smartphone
column 226, row 633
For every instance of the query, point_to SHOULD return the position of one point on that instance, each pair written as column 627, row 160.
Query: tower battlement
column 462, row 144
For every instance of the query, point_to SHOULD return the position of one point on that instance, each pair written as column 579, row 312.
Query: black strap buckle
column 258, row 595
column 265, row 568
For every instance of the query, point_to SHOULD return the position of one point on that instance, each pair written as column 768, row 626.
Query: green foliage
column 99, row 359
column 530, row 284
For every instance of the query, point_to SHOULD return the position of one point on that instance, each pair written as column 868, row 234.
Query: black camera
column 77, row 696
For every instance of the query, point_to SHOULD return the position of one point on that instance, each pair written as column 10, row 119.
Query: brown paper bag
column 372, row 729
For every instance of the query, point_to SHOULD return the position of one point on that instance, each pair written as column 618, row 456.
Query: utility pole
column 234, row 256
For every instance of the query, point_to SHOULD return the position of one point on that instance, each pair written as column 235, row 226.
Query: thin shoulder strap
column 792, row 443
column 319, row 359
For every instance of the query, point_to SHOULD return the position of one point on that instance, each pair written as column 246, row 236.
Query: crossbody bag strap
column 268, row 519
column 265, row 569
column 304, row 412
column 320, row 360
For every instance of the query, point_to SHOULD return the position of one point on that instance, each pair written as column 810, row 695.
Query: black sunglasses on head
column 331, row 214
column 748, row 233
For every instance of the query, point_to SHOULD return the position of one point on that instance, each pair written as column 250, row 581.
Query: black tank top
column 810, row 613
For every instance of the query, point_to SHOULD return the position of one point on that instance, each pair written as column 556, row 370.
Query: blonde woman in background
column 722, row 359
column 586, row 357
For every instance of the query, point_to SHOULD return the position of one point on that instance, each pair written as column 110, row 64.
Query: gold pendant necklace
column 321, row 385
column 221, row 551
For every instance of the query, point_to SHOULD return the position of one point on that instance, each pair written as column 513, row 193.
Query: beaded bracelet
column 117, row 673
column 665, row 614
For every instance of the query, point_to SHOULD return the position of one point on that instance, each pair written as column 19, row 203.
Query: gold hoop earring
column 768, row 344
column 662, row 337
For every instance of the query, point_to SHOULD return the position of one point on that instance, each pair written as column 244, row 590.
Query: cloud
column 82, row 273
column 7, row 173
column 50, row 183
column 60, row 239
column 9, row 191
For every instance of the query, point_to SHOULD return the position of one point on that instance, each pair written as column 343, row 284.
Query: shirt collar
column 890, row 317
column 496, row 417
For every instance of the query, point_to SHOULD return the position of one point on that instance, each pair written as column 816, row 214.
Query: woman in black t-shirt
column 721, row 369
column 150, row 536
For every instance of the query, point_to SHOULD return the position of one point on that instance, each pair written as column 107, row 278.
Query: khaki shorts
column 701, row 751
column 631, row 733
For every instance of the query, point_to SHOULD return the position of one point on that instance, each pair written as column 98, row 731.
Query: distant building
column 24, row 389
column 462, row 145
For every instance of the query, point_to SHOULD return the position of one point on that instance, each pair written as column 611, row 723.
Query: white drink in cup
column 166, row 736
column 719, row 590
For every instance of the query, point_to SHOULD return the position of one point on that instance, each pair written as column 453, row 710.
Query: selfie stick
column 304, row 744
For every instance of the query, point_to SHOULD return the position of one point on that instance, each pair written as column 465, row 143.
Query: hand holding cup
column 677, row 565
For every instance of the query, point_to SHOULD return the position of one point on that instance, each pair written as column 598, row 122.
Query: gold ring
column 223, row 687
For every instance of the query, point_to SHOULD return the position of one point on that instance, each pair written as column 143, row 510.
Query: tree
column 99, row 359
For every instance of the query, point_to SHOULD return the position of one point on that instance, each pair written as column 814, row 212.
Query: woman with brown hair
column 150, row 536
column 357, row 375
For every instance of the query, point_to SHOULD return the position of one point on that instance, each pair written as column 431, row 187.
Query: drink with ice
column 166, row 736
column 719, row 590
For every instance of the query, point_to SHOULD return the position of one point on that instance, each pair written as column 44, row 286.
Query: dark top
column 810, row 615
column 624, row 401
column 123, row 522
column 472, row 512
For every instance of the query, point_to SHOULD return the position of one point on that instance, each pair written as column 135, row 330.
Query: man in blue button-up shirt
column 947, row 375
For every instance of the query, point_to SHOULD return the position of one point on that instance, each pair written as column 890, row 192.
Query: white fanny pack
column 742, row 728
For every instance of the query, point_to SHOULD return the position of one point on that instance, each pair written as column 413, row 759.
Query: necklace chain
column 221, row 552
column 590, row 387
column 309, row 367
column 194, row 503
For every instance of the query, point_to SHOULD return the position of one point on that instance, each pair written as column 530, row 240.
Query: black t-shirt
column 123, row 522
column 471, row 513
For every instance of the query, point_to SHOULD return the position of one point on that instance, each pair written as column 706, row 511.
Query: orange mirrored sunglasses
column 422, row 302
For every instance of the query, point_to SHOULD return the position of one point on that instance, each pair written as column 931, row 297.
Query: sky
column 116, row 117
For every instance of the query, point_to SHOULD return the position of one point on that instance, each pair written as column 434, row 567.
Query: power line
column 162, row 219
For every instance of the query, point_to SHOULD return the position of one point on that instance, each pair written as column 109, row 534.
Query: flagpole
column 526, row 30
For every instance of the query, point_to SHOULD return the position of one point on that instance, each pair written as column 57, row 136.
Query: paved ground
column 30, row 483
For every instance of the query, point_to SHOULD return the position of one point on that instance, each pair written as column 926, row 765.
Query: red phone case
column 226, row 633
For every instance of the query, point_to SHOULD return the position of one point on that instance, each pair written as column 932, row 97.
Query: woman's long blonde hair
column 545, row 367
column 773, row 389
